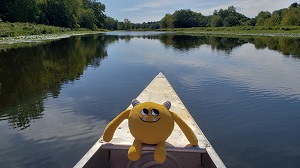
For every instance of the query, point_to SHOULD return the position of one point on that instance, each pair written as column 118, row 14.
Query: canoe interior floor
column 117, row 158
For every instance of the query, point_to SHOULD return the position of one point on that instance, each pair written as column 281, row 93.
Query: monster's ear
column 135, row 102
column 167, row 104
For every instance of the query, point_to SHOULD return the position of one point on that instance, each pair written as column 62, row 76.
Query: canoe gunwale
column 147, row 147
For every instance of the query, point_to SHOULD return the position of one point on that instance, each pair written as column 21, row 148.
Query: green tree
column 227, row 17
column 18, row 10
column 216, row 21
column 203, row 20
column 230, row 21
column 121, row 26
column 274, row 20
column 111, row 23
column 127, row 24
column 63, row 13
column 185, row 19
column 291, row 17
column 262, row 17
column 87, row 19
column 294, row 5
column 167, row 21
column 98, row 10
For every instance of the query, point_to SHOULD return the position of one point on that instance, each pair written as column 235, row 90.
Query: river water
column 57, row 97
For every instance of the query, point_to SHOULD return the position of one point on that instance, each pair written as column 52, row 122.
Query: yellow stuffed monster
column 149, row 123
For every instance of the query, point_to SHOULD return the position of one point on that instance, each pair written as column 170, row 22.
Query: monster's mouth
column 153, row 120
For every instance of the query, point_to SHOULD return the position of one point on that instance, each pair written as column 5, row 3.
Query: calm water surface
column 56, row 98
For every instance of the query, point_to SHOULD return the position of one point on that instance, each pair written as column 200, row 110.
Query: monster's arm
column 188, row 132
column 112, row 126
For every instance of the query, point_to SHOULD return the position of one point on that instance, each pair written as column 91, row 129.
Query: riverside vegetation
column 64, row 16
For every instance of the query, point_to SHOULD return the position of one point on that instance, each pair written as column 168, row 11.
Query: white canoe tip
column 160, row 75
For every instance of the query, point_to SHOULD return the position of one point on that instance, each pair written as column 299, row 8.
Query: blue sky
column 138, row 11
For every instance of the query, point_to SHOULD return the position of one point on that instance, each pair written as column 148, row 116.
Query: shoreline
column 4, row 41
column 243, row 34
column 41, row 38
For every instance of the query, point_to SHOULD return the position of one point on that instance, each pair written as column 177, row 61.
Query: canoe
column 113, row 154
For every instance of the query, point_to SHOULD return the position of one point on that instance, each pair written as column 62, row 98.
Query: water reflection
column 233, row 87
column 29, row 75
column 284, row 45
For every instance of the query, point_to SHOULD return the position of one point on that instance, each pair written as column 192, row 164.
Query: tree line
column 66, row 13
column 90, row 14
column 230, row 17
column 63, row 13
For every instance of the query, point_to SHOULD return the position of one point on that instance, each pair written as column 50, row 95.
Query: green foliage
column 294, row 5
column 274, row 20
column 186, row 18
column 77, row 14
column 127, row 24
column 146, row 26
column 228, row 18
column 231, row 21
column 283, row 17
column 167, row 21
column 62, row 13
column 87, row 19
column 18, row 10
column 292, row 31
column 291, row 17
column 262, row 17
column 98, row 10
column 20, row 29
column 110, row 23
column 216, row 21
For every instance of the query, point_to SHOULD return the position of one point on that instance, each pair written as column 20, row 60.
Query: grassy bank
column 25, row 29
column 15, row 35
column 15, row 30
column 242, row 30
column 28, row 29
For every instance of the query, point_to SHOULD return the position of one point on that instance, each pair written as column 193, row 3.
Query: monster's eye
column 144, row 112
column 155, row 112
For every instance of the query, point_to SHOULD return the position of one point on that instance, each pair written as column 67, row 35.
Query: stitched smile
column 154, row 120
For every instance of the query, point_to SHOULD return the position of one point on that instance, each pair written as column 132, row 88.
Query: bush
column 285, row 29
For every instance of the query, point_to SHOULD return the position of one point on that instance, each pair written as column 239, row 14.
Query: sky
column 139, row 11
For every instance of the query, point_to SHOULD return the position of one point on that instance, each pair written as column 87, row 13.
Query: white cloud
column 255, row 71
column 247, row 7
column 57, row 125
column 144, row 11
column 61, row 121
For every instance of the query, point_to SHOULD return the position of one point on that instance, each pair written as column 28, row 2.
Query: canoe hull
column 117, row 158
column 179, row 153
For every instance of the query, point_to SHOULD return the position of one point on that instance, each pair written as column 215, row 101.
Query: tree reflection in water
column 31, row 74
column 285, row 45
